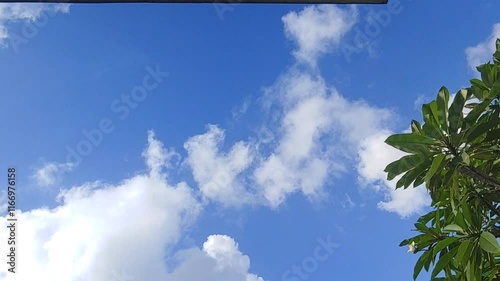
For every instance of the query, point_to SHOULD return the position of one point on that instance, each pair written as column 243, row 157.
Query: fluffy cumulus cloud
column 483, row 51
column 319, row 129
column 218, row 173
column 317, row 133
column 107, row 232
column 50, row 174
column 25, row 13
column 219, row 259
column 318, row 29
column 374, row 156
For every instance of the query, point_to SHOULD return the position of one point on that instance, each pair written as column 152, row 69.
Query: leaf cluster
column 455, row 152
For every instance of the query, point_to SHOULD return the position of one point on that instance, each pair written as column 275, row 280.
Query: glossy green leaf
column 465, row 157
column 480, row 129
column 463, row 252
column 444, row 243
column 489, row 243
column 455, row 115
column 411, row 143
column 488, row 74
column 404, row 242
column 442, row 107
column 453, row 228
column 416, row 128
column 412, row 175
column 443, row 261
column 474, row 114
column 436, row 164
column 420, row 264
column 466, row 214
column 402, row 165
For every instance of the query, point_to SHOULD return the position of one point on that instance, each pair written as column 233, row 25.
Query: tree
column 456, row 154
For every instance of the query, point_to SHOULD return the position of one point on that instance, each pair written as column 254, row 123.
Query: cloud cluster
column 101, row 230
column 317, row 133
column 26, row 13
column 132, row 230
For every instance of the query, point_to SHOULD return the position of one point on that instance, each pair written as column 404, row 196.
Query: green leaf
column 462, row 257
column 404, row 243
column 411, row 143
column 432, row 126
column 436, row 163
column 466, row 214
column 480, row 129
column 496, row 55
column 423, row 239
column 445, row 243
column 420, row 264
column 434, row 110
column 442, row 107
column 472, row 116
column 416, row 128
column 412, row 175
column 488, row 74
column 455, row 114
column 429, row 260
column 443, row 261
column 427, row 217
column 453, row 228
column 469, row 271
column 493, row 135
column 465, row 157
column 419, row 180
column 479, row 83
column 489, row 243
column 422, row 227
column 402, row 165
column 431, row 129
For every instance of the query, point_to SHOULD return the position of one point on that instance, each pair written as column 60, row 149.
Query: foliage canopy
column 456, row 154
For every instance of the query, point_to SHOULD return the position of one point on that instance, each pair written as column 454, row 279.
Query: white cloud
column 217, row 173
column 482, row 52
column 318, row 29
column 157, row 157
column 103, row 231
column 219, row 259
column 50, row 174
column 348, row 203
column 25, row 12
column 297, row 164
column 374, row 156
column 320, row 131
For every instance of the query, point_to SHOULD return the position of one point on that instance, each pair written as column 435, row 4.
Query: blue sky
column 227, row 143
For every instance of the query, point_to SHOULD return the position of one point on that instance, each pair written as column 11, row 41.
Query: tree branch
column 477, row 175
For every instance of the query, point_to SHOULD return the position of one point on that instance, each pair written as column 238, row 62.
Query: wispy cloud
column 50, row 174
column 25, row 13
column 482, row 52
